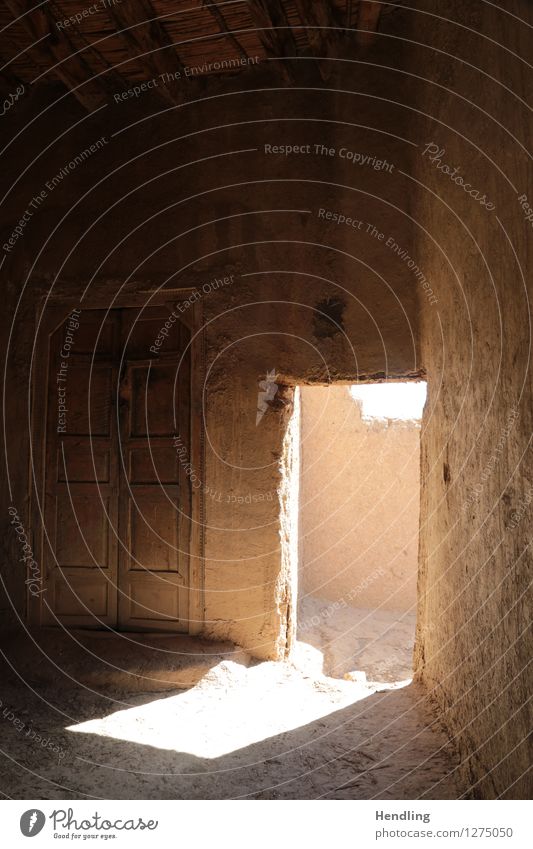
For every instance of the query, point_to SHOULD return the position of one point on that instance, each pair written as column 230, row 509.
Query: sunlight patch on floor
column 231, row 708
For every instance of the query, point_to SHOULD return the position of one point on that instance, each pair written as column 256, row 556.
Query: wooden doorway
column 116, row 508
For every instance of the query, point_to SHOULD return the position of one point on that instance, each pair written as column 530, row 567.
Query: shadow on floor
column 124, row 661
column 242, row 731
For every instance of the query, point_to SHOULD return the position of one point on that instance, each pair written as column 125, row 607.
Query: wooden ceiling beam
column 219, row 18
column 55, row 48
column 367, row 22
column 275, row 32
column 9, row 78
column 321, row 19
column 148, row 42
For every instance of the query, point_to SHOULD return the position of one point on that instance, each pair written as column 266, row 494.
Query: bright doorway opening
column 359, row 505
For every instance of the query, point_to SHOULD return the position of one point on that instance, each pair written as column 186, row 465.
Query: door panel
column 154, row 401
column 79, row 595
column 154, row 464
column 117, row 499
column 81, row 533
column 155, row 501
column 90, row 397
column 155, row 603
column 81, row 462
column 81, row 478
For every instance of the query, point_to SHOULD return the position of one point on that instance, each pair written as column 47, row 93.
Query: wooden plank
column 79, row 556
column 276, row 34
column 367, row 22
column 219, row 17
column 148, row 42
column 155, row 517
column 57, row 47
column 8, row 78
column 322, row 21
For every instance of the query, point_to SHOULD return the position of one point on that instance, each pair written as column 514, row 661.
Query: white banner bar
column 267, row 824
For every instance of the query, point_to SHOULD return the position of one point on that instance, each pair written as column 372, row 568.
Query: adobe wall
column 183, row 196
column 476, row 474
column 474, row 638
column 359, row 504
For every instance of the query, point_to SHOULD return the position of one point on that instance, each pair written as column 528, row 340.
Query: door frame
column 51, row 311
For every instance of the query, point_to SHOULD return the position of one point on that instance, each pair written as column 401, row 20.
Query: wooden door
column 117, row 498
column 154, row 488
column 81, row 473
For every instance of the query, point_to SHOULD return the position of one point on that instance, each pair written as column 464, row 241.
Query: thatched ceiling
column 98, row 46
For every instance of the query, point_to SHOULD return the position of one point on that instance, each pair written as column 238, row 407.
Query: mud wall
column 359, row 504
column 186, row 196
column 474, row 641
